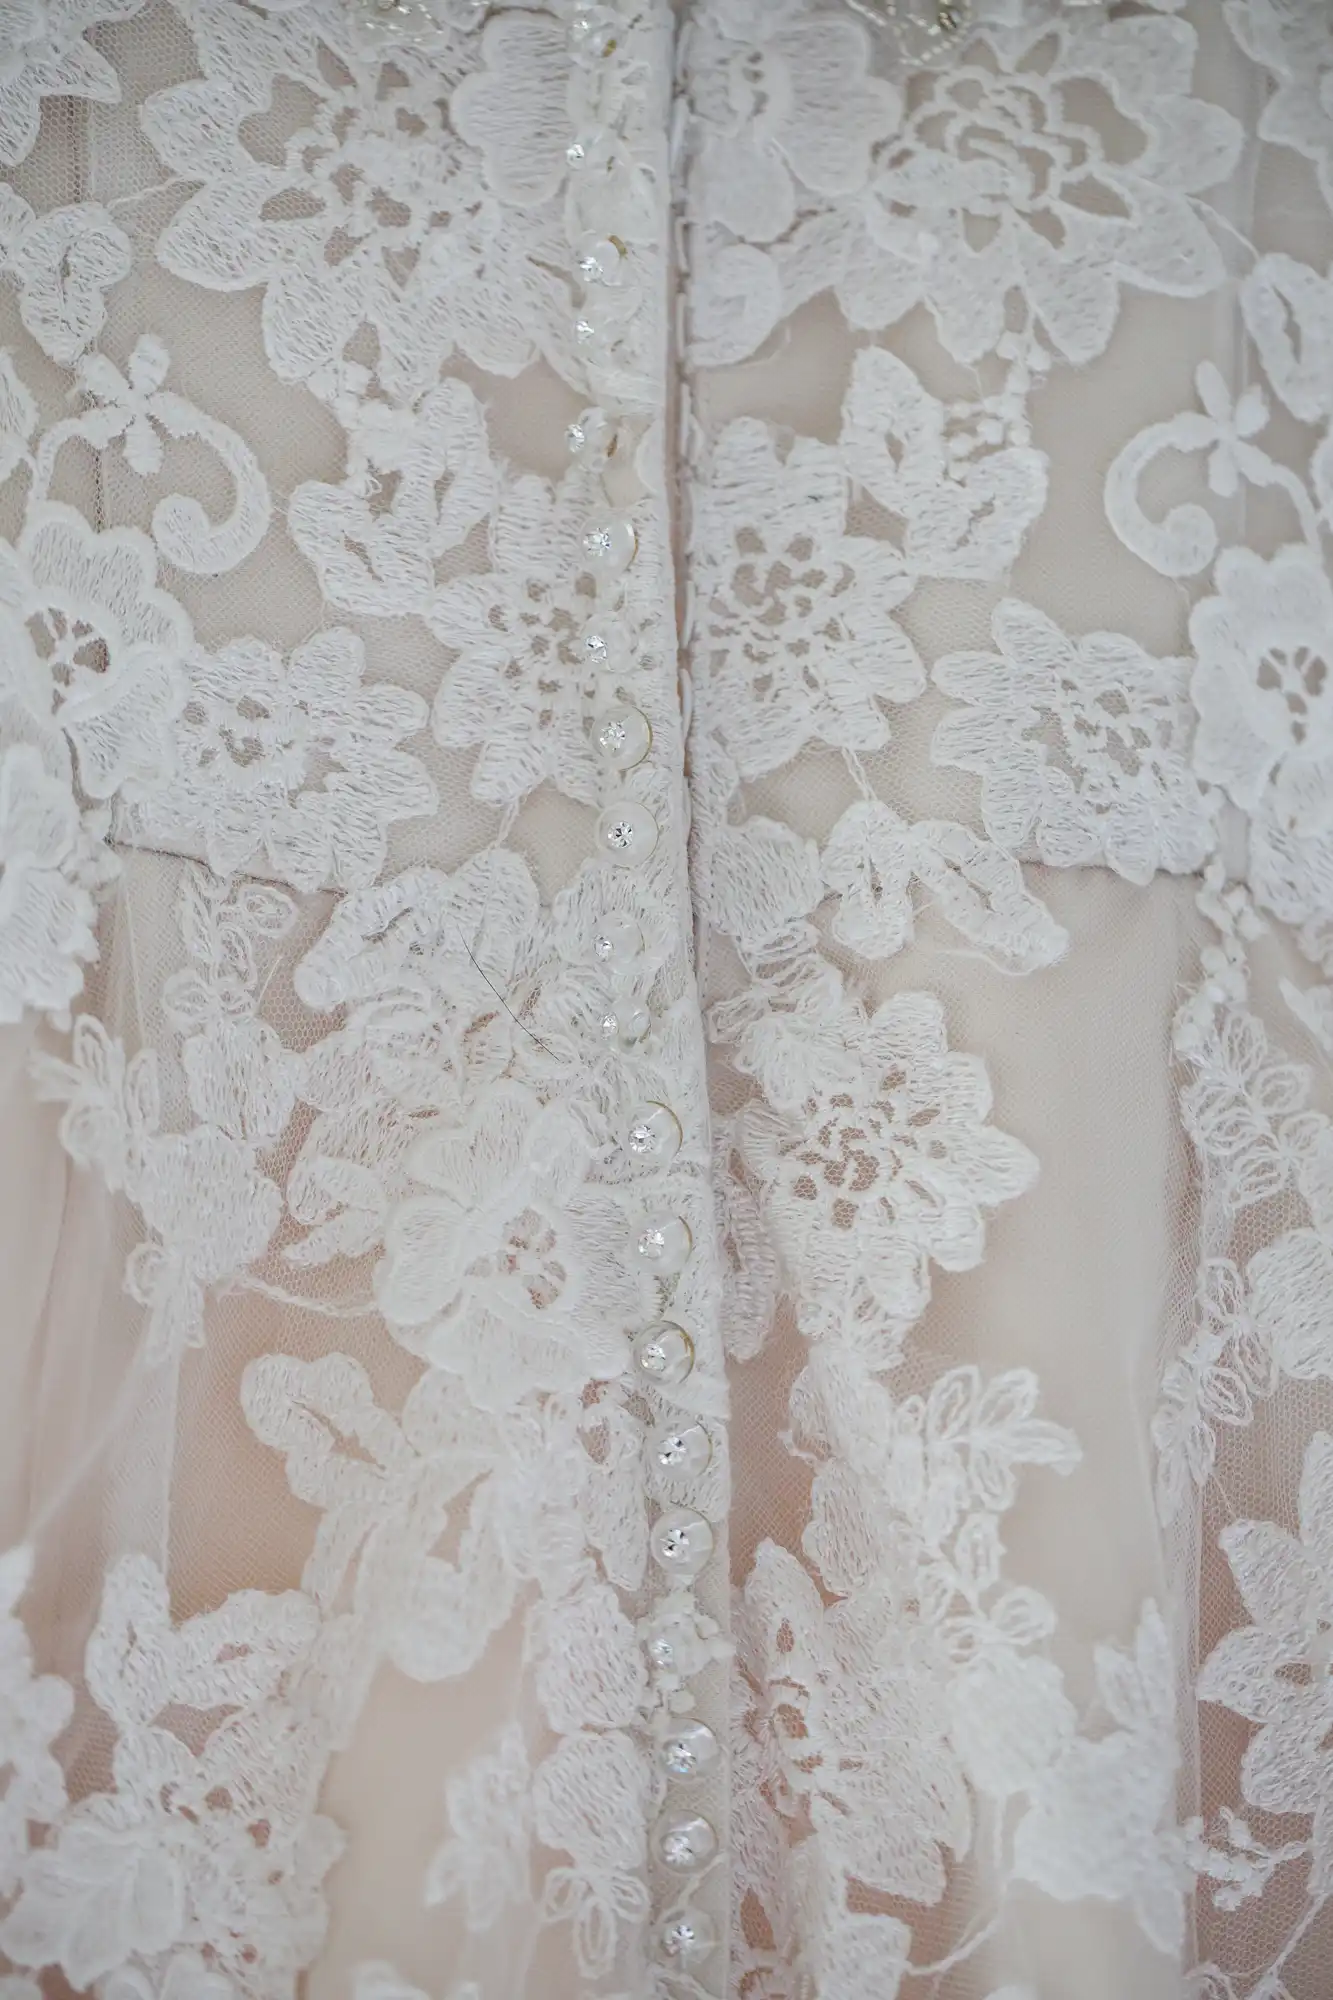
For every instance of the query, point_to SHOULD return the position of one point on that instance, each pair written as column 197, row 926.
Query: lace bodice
column 666, row 924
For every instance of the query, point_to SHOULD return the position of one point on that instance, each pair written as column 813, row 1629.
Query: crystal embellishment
column 664, row 1355
column 617, row 943
column 663, row 1243
column 591, row 433
column 686, row 1844
column 592, row 29
column 627, row 1024
column 609, row 545
column 622, row 737
column 600, row 260
column 681, row 1541
column 689, row 1751
column 682, row 1451
column 603, row 648
column 686, row 1937
column 653, row 1134
column 627, row 832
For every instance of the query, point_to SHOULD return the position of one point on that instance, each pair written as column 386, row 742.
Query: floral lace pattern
column 993, row 185
column 1119, row 788
column 487, row 1131
column 907, row 1721
column 349, row 229
column 254, row 728
column 344, row 894
column 45, row 52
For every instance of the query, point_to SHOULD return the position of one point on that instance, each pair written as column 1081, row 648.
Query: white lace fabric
column 482, row 1522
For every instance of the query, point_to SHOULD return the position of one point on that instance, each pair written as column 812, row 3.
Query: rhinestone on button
column 682, row 1450
column 686, row 1937
column 663, row 1243
column 610, row 544
column 603, row 648
column 617, row 943
column 592, row 432
column 622, row 737
column 600, row 260
column 627, row 1024
column 652, row 1135
column 689, row 1751
column 627, row 832
column 592, row 148
column 593, row 29
column 664, row 1355
column 681, row 1541
column 685, row 1844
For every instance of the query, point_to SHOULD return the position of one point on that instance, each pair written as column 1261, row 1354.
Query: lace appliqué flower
column 1295, row 42
column 131, row 1874
column 64, row 262
column 52, row 867
column 859, row 1728
column 998, row 186
column 36, row 1710
column 1277, row 1671
column 1102, row 1815
column 377, row 214
column 1263, row 686
column 207, row 1207
column 1082, row 747
column 796, row 613
column 517, row 688
column 784, row 101
column 89, row 687
column 486, row 1858
column 44, row 53
column 90, row 647
column 486, row 1267
column 297, row 761
column 884, row 1167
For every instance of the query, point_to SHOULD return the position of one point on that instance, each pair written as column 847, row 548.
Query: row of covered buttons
column 621, row 735
column 627, row 835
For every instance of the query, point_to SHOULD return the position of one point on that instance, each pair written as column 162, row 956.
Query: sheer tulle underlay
column 666, row 1041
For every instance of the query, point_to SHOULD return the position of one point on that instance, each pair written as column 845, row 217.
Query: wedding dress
column 666, row 979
